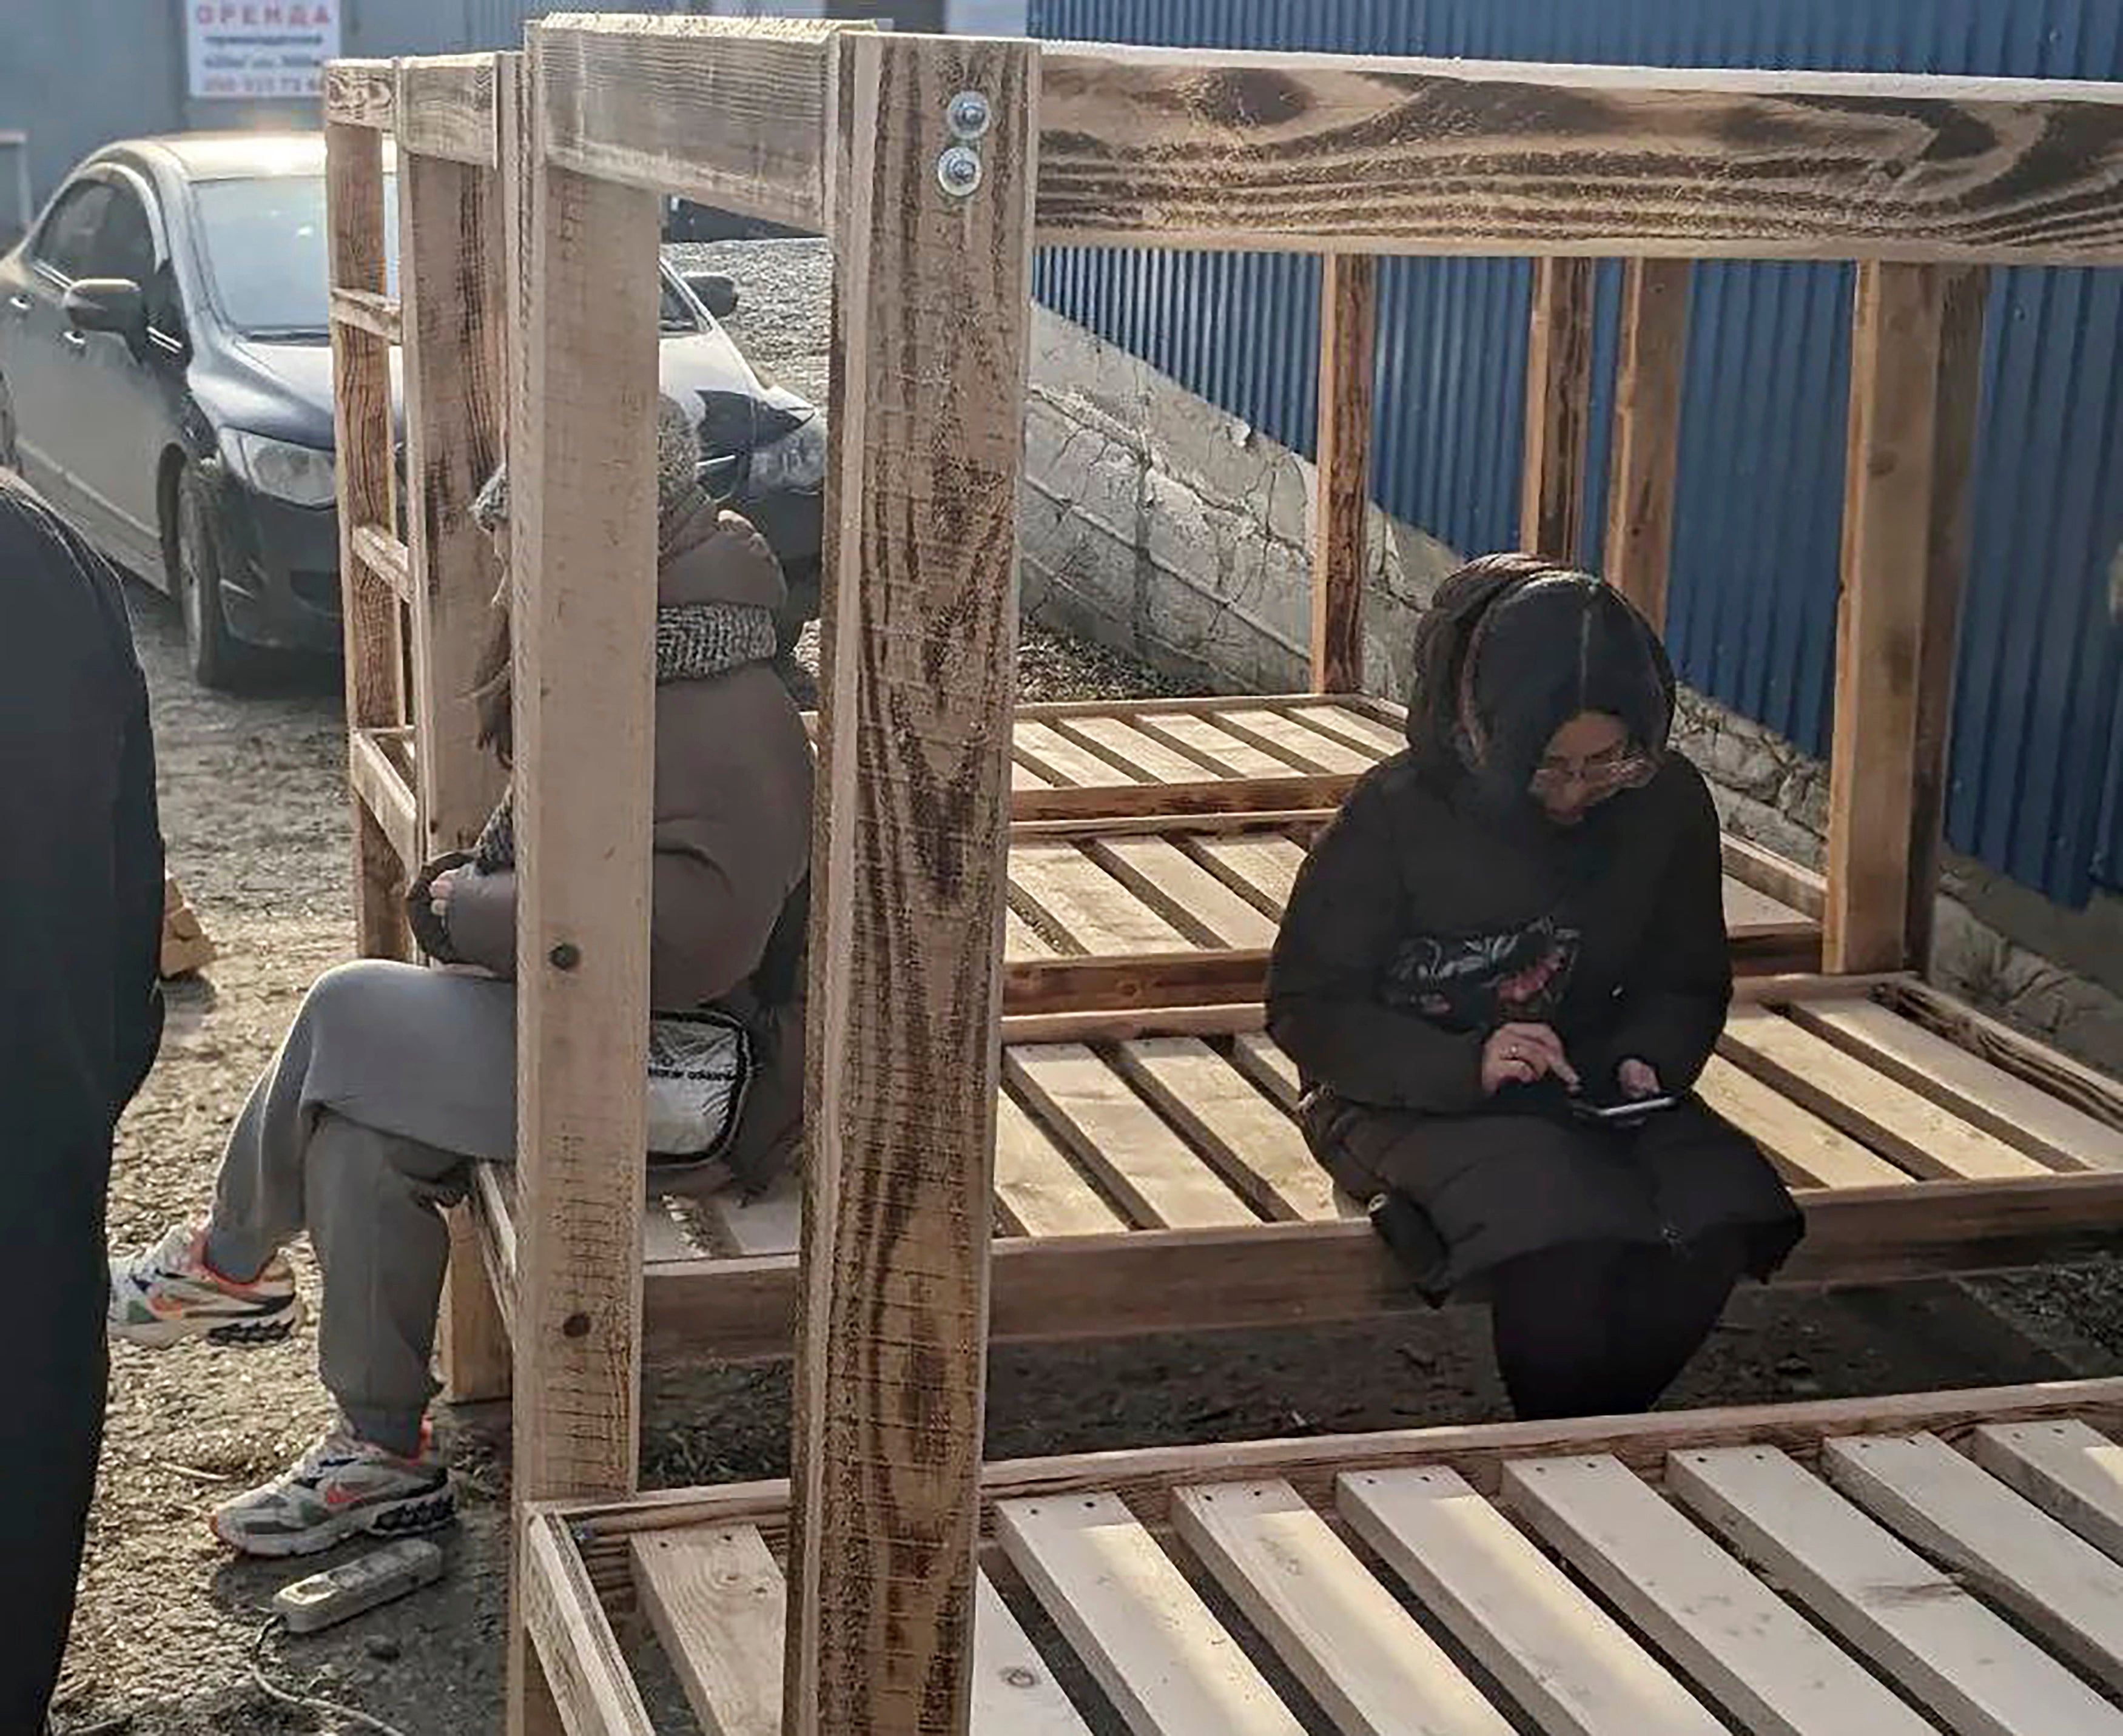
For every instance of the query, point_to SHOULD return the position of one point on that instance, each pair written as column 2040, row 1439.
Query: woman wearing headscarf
column 393, row 1076
column 1518, row 918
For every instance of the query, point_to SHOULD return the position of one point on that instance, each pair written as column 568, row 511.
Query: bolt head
column 566, row 956
column 958, row 171
column 969, row 116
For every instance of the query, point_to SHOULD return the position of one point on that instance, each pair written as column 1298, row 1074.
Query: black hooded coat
column 1440, row 903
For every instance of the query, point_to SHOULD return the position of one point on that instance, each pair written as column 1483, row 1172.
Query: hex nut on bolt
column 958, row 171
column 968, row 116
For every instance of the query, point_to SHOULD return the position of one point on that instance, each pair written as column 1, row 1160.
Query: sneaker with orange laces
column 342, row 1486
column 167, row 1293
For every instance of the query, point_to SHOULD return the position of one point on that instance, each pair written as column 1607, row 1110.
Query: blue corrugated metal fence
column 2036, row 785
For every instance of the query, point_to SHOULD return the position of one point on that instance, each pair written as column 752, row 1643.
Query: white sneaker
column 167, row 1293
column 340, row 1487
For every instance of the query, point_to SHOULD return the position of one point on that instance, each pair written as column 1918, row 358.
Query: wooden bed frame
column 951, row 825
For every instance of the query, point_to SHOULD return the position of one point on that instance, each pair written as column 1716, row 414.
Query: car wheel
column 216, row 656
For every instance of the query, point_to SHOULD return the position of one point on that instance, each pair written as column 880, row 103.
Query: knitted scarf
column 694, row 640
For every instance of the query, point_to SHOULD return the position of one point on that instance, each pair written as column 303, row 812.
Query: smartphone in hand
column 1626, row 1113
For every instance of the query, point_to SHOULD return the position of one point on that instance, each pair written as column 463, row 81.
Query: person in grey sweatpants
column 393, row 1076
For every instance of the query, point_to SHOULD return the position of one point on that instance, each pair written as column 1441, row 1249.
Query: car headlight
column 300, row 475
column 795, row 462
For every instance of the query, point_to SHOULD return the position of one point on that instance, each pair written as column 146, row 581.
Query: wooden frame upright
column 935, row 165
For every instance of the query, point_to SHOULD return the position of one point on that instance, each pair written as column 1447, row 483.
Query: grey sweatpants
column 391, row 1077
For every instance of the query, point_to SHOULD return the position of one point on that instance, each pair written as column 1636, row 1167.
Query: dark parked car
column 165, row 382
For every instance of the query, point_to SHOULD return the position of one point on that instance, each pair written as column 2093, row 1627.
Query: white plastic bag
column 699, row 1069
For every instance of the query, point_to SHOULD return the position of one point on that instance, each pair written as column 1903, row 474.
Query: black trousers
column 1600, row 1329
column 51, row 1431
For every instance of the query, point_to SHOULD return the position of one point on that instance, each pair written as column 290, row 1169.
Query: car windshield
column 265, row 256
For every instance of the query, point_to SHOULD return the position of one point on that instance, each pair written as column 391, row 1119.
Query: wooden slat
column 1734, row 1637
column 1917, row 1134
column 383, row 792
column 731, row 113
column 1155, row 1174
column 1221, row 148
column 1807, row 1151
column 1308, row 750
column 1558, row 411
column 1916, row 345
column 1644, row 459
column 1135, row 981
column 1365, row 1660
column 584, row 1673
column 2072, row 1472
column 1179, row 889
column 2060, row 1586
column 1961, row 1662
column 1022, row 776
column 1131, row 1616
column 1020, row 939
column 1138, row 755
column 2068, row 1080
column 1348, row 323
column 1383, row 740
column 2021, row 1115
column 447, row 106
column 1747, row 909
column 385, row 556
column 1014, row 1693
column 360, row 93
column 1554, row 1651
column 1037, row 1191
column 1122, row 1025
column 1229, row 755
column 1251, row 1140
column 1260, row 1059
column 1263, row 868
column 1803, row 889
column 1082, row 901
column 770, row 1221
column 931, row 316
column 1216, row 794
column 366, row 484
column 663, row 1236
column 1067, row 762
column 375, row 314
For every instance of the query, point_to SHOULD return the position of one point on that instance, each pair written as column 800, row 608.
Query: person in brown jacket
column 393, row 1075
column 1517, row 920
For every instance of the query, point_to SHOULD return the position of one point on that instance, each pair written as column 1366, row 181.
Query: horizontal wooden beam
column 382, row 789
column 1128, row 1024
column 1211, row 796
column 447, row 109
column 378, row 315
column 1805, row 889
column 592, row 1684
column 1294, row 822
column 385, row 556
column 729, row 112
column 1219, row 148
column 361, row 93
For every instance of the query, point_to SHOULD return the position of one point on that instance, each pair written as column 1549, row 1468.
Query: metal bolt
column 566, row 956
column 969, row 115
column 1017, row 1676
column 958, row 171
column 576, row 1326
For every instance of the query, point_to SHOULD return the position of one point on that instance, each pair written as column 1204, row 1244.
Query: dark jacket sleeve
column 1343, row 920
column 137, row 996
column 1675, row 1000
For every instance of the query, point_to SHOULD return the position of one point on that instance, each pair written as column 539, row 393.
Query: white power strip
column 342, row 1593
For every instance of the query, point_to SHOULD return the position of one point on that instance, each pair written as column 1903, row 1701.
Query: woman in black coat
column 1519, row 917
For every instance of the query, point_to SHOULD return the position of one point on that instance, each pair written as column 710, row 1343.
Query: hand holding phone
column 1624, row 1113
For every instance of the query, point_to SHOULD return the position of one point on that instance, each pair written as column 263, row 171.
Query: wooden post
column 363, row 433
column 931, row 317
column 1559, row 404
column 583, row 556
column 1646, row 456
column 1348, row 319
column 452, row 315
column 1916, row 354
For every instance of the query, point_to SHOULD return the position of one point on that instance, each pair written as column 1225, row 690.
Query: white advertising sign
column 253, row 48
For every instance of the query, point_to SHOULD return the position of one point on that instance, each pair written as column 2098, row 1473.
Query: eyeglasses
column 1625, row 767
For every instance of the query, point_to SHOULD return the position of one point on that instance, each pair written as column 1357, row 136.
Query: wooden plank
column 1734, row 1638
column 1138, row 981
column 1194, row 901
column 1645, row 458
column 745, row 1225
column 1363, row 1658
column 1292, row 791
column 1788, row 882
column 585, row 1678
column 1020, row 939
column 1109, row 1025
column 1961, row 1662
column 1297, row 824
column 1385, row 740
column 1916, row 341
column 385, row 556
column 1894, row 1121
column 715, row 1598
column 1157, row 1178
column 1261, row 1059
column 1558, row 411
column 376, row 314
column 663, row 1237
column 1342, row 494
column 1222, row 148
column 2054, row 1134
column 360, row 93
column 1249, row 1139
column 1263, row 869
column 932, row 314
column 731, row 113
column 1226, row 754
column 1022, row 776
column 2070, row 1471
column 447, row 109
column 1807, row 1151
column 1167, row 1666
column 2068, row 1080
column 1555, row 1652
column 383, row 792
column 1014, row 1693
column 1065, row 761
column 366, row 488
column 1079, row 898
column 1308, row 750
column 1038, row 1191
column 1139, row 755
column 2063, row 1588
column 1747, row 910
